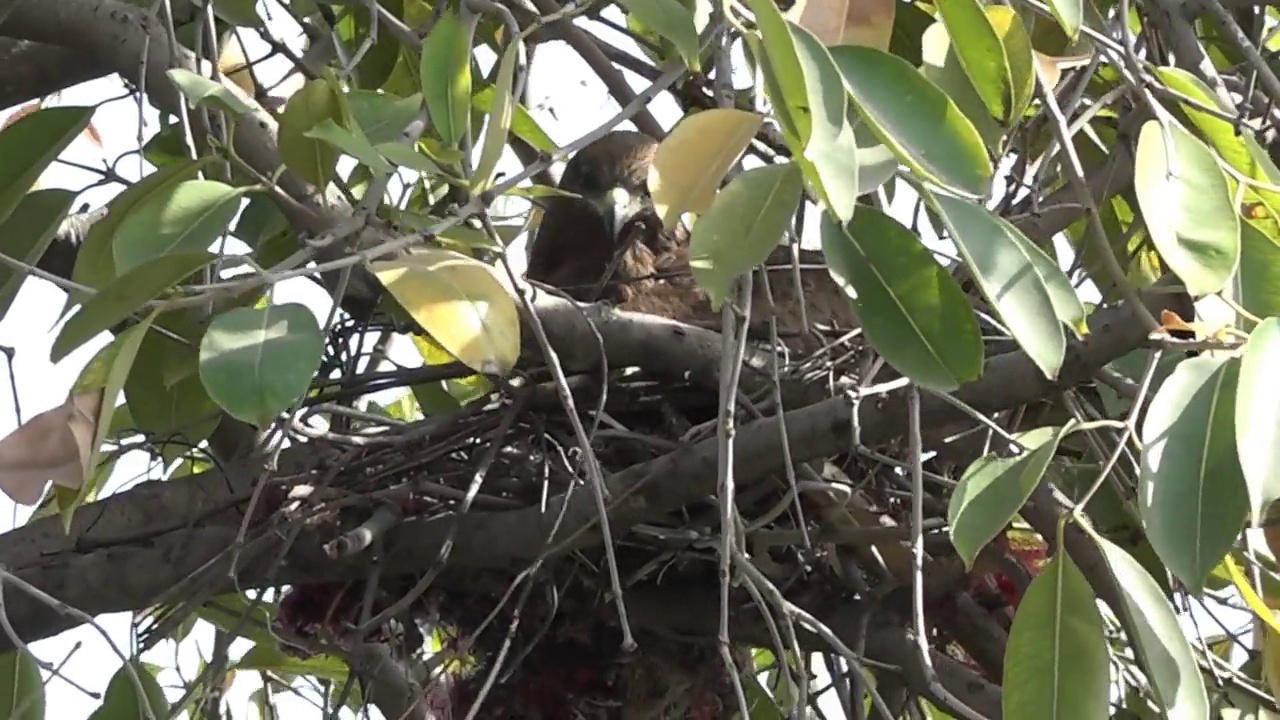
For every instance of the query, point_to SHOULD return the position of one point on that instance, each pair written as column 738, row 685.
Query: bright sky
column 569, row 101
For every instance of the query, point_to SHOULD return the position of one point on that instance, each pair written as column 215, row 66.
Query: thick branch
column 30, row 70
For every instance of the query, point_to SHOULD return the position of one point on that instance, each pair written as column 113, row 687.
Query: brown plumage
column 613, row 224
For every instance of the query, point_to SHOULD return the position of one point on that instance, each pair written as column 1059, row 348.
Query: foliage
column 990, row 184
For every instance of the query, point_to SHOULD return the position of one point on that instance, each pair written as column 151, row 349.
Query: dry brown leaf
column 868, row 23
column 20, row 113
column 53, row 445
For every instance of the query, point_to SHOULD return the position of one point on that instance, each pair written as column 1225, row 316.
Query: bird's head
column 611, row 176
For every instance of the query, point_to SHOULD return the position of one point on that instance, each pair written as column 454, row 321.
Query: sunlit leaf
column 671, row 20
column 446, row 77
column 201, row 90
column 941, row 66
column 744, row 224
column 690, row 163
column 258, row 362
column 915, row 119
column 351, row 143
column 499, row 121
column 994, row 489
column 1158, row 637
column 1019, row 56
column 981, row 53
column 382, row 116
column 1259, row 276
column 523, row 125
column 462, row 302
column 1187, row 206
column 1192, row 492
column 912, row 311
column 1257, row 420
column 831, row 154
column 784, row 79
column 313, row 160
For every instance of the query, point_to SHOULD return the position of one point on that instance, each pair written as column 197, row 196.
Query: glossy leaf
column 1257, row 420
column 462, row 302
column 499, row 122
column 257, row 362
column 1192, row 493
column 1007, row 269
column 671, row 20
column 915, row 119
column 690, row 162
column 1157, row 636
column 203, row 91
column 313, row 160
column 125, row 296
column 941, row 66
column 981, row 53
column 912, row 311
column 831, row 154
column 123, row 701
column 1259, row 277
column 30, row 144
column 1056, row 663
column 446, row 78
column 1019, row 56
column 993, row 489
column 354, row 144
column 784, row 78
column 21, row 687
column 27, row 233
column 181, row 218
column 1187, row 207
column 1070, row 16
column 744, row 225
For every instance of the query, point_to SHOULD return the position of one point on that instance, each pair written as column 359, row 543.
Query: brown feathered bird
column 609, row 244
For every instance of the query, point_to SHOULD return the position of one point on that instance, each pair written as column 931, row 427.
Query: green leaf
column 745, row 223
column 243, row 13
column 122, row 701
column 181, row 218
column 351, row 143
column 1258, row 416
column 1018, row 53
column 125, row 296
column 499, row 122
column 832, row 150
column 915, row 119
column 941, row 66
column 995, row 488
column 95, row 263
column 257, row 362
column 21, row 687
column 30, row 144
column 260, row 220
column 109, row 367
column 912, row 311
column 446, row 78
column 1259, row 277
column 168, row 409
column 981, row 53
column 405, row 156
column 1001, row 259
column 1056, row 662
column 313, row 160
column 269, row 657
column 1187, row 206
column 1191, row 488
column 783, row 75
column 383, row 117
column 1157, row 636
column 671, row 20
column 26, row 234
column 1070, row 16
column 201, row 90
column 522, row 123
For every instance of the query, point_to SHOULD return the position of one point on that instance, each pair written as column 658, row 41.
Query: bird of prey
column 609, row 244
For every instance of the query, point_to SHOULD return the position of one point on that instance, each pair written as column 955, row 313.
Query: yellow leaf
column 1271, row 659
column 690, row 163
column 846, row 22
column 463, row 303
column 1250, row 596
column 233, row 63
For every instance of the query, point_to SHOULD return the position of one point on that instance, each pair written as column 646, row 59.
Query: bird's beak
column 618, row 208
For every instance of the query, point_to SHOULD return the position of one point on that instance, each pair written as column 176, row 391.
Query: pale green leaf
column 1257, row 421
column 181, row 218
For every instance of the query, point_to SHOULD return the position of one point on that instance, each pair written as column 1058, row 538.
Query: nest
column 548, row 643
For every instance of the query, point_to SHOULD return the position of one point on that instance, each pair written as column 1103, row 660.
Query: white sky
column 569, row 101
